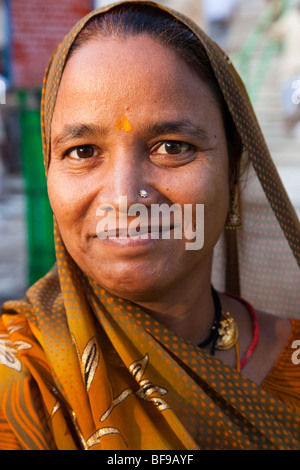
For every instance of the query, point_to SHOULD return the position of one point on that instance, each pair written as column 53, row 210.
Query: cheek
column 206, row 184
column 58, row 198
column 216, row 209
column 66, row 198
column 211, row 188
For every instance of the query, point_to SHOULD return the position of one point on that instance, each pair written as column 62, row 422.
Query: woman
column 124, row 345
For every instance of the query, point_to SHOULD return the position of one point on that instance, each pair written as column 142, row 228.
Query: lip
column 125, row 238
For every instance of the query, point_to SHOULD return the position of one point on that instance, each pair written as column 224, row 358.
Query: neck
column 188, row 310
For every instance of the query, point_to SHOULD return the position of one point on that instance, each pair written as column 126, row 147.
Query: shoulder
column 275, row 363
column 277, row 359
column 274, row 334
column 280, row 334
column 274, row 331
column 283, row 379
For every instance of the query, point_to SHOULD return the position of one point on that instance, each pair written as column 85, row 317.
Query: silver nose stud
column 143, row 193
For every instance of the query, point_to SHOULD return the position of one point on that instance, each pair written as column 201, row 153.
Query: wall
column 37, row 26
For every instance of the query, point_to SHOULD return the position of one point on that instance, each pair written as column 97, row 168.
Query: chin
column 145, row 275
column 132, row 282
column 133, row 287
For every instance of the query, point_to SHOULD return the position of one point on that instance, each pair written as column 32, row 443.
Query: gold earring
column 233, row 221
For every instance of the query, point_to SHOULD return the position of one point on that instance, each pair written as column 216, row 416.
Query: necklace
column 228, row 332
column 255, row 338
column 224, row 333
column 214, row 332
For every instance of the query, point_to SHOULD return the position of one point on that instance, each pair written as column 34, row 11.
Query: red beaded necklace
column 241, row 364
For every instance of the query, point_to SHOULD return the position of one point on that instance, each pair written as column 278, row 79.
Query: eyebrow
column 77, row 131
column 183, row 125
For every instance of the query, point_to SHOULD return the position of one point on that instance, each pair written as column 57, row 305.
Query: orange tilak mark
column 123, row 124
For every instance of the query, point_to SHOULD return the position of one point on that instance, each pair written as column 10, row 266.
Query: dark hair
column 130, row 20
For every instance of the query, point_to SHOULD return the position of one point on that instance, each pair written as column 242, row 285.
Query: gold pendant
column 228, row 333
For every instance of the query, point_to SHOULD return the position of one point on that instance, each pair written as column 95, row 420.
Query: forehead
column 107, row 75
column 140, row 52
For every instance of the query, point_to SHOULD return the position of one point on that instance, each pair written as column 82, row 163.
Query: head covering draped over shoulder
column 83, row 369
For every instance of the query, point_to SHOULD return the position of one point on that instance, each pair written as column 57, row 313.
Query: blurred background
column 262, row 38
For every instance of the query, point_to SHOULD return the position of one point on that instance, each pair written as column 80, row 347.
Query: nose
column 128, row 177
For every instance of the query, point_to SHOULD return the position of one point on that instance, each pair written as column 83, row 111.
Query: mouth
column 137, row 236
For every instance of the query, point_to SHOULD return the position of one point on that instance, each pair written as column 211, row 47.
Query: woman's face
column 130, row 115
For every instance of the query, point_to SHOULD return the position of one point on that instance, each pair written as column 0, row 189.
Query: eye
column 85, row 151
column 173, row 147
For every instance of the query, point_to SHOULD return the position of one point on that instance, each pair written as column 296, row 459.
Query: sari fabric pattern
column 83, row 369
column 196, row 402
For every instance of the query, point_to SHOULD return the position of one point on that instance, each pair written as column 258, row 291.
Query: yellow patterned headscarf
column 83, row 369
